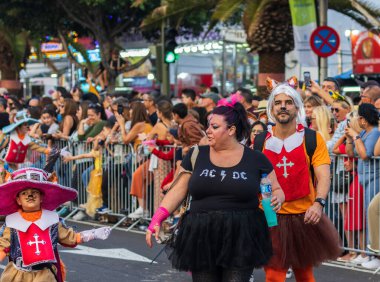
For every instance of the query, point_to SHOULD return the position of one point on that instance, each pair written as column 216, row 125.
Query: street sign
column 234, row 35
column 324, row 41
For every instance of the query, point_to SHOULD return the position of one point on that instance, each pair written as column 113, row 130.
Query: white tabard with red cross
column 289, row 161
column 34, row 237
column 17, row 148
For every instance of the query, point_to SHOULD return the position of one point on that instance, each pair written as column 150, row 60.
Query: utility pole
column 322, row 21
column 165, row 83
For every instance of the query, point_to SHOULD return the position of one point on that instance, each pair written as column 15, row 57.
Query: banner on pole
column 304, row 22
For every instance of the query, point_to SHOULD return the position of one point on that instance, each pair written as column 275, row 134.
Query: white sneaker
column 360, row 259
column 138, row 213
column 373, row 264
column 289, row 273
column 79, row 216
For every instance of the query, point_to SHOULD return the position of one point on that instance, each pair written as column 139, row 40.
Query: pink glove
column 159, row 216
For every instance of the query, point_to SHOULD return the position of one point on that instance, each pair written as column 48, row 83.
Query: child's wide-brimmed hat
column 20, row 118
column 54, row 194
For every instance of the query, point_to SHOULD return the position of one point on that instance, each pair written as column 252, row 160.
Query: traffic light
column 170, row 44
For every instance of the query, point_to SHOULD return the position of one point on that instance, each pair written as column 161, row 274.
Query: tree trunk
column 7, row 67
column 270, row 65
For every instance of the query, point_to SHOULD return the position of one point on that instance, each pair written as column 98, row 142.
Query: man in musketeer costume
column 32, row 229
column 304, row 237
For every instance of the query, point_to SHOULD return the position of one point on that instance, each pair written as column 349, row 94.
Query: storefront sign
column 234, row 35
column 51, row 47
column 365, row 53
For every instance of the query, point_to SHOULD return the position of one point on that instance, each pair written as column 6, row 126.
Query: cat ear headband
column 272, row 84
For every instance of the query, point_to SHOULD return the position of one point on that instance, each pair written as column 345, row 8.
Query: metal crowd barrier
column 126, row 170
column 119, row 165
column 349, row 199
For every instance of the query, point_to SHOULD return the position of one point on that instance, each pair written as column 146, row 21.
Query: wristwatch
column 356, row 137
column 321, row 201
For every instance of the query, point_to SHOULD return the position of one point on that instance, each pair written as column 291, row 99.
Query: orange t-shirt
column 320, row 157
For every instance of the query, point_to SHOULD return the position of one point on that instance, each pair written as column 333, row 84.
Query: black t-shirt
column 218, row 188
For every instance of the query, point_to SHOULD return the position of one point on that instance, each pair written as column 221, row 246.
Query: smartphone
column 307, row 78
column 120, row 109
column 348, row 122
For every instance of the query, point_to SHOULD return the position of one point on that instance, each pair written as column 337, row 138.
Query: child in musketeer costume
column 16, row 137
column 32, row 229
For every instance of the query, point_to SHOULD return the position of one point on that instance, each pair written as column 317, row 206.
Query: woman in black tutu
column 224, row 235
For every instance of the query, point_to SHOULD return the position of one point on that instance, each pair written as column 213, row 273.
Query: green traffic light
column 170, row 57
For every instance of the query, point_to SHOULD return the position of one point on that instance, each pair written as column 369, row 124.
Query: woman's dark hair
column 70, row 108
column 139, row 113
column 46, row 101
column 202, row 115
column 257, row 122
column 16, row 102
column 235, row 116
column 98, row 109
column 165, row 108
column 369, row 113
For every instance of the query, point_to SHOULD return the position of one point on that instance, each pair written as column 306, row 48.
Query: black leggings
column 222, row 275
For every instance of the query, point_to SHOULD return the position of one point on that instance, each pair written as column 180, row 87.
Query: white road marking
column 118, row 253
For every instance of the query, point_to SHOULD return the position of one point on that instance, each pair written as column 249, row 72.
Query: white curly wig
column 285, row 88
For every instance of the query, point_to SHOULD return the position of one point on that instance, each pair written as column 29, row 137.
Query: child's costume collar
column 16, row 221
column 25, row 141
column 275, row 144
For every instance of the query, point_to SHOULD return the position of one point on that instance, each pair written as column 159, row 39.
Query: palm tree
column 14, row 49
column 268, row 24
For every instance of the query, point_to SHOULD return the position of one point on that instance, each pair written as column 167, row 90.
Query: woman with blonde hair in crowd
column 310, row 103
column 321, row 121
column 354, row 211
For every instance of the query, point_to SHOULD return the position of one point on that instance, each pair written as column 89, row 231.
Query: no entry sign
column 324, row 41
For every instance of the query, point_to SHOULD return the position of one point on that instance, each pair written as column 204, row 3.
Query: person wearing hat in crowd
column 19, row 141
column 209, row 101
column 261, row 111
column 32, row 228
column 3, row 91
column 4, row 116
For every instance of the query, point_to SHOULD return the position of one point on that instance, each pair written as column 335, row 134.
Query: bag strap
column 310, row 140
column 311, row 145
column 194, row 156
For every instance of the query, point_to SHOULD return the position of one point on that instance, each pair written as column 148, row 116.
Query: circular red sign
column 324, row 41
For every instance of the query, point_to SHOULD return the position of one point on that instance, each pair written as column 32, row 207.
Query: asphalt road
column 125, row 257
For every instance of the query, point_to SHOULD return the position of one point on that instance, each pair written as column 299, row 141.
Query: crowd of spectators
column 149, row 121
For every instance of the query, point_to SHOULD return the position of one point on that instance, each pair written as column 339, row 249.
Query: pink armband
column 159, row 216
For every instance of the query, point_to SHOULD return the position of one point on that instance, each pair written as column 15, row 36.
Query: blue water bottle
column 266, row 192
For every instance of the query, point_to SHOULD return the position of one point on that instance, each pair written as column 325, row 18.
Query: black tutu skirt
column 228, row 239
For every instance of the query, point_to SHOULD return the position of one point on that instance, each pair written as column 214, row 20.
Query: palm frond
column 175, row 10
column 225, row 9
